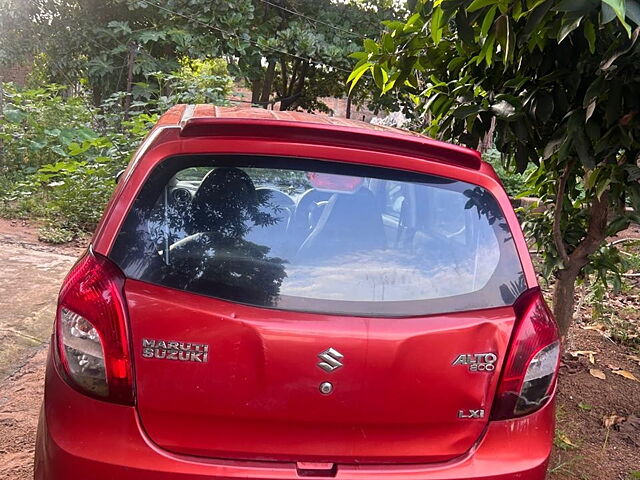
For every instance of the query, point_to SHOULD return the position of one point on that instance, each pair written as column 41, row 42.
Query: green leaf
column 618, row 6
column 602, row 186
column 357, row 73
column 120, row 27
column 357, row 55
column 633, row 11
column 14, row 115
column 380, row 76
column 436, row 28
column 487, row 50
column 387, row 43
column 607, row 14
column 535, row 19
column 488, row 21
column 553, row 146
column 152, row 36
column 478, row 4
column 567, row 27
column 581, row 145
column 590, row 35
column 455, row 64
column 37, row 144
column 370, row 46
column 465, row 111
column 391, row 82
column 412, row 20
column 59, row 150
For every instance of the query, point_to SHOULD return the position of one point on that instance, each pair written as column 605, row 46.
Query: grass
column 567, row 468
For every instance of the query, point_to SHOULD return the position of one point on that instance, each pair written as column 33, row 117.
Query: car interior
column 309, row 223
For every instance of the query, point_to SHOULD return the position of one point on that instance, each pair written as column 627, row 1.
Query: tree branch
column 596, row 232
column 557, row 215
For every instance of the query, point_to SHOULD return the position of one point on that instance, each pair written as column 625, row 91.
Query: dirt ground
column 598, row 421
column 30, row 276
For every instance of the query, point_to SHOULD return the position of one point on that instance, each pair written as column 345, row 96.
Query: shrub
column 59, row 154
column 514, row 183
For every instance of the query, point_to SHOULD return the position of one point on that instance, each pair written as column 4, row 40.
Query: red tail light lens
column 530, row 371
column 91, row 331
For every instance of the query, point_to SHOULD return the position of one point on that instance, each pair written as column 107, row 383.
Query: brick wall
column 16, row 74
column 338, row 105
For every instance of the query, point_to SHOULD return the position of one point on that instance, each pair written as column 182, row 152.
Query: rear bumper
column 79, row 438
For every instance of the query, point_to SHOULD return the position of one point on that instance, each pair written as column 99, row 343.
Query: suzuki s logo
column 330, row 360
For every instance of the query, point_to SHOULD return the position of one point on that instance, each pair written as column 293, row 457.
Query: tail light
column 91, row 331
column 530, row 370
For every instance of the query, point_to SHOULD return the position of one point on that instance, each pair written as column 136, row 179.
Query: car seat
column 349, row 223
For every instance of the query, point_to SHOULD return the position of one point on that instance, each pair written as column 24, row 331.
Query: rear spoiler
column 383, row 140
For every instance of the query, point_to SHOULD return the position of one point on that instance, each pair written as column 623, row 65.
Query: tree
column 558, row 80
column 98, row 42
column 292, row 51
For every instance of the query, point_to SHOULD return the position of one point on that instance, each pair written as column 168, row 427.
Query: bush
column 37, row 126
column 59, row 154
column 514, row 183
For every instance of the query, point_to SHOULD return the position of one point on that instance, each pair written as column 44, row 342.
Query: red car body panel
column 257, row 397
column 253, row 410
column 80, row 437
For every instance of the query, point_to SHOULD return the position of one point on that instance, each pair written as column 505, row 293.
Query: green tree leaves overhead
column 286, row 49
column 555, row 82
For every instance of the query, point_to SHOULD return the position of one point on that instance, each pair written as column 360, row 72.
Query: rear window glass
column 316, row 236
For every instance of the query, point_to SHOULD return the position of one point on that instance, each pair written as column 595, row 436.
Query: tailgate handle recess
column 316, row 469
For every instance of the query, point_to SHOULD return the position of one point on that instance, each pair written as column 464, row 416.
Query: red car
column 276, row 295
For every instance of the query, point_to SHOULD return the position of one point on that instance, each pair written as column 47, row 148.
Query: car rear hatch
column 396, row 397
column 304, row 311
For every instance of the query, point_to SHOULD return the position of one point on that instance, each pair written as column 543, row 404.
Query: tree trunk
column 133, row 48
column 256, row 90
column 563, row 294
column 563, row 299
column 267, row 83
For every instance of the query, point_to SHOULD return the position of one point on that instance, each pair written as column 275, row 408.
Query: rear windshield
column 316, row 236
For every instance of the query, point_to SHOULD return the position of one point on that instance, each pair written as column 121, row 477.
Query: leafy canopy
column 554, row 82
column 292, row 49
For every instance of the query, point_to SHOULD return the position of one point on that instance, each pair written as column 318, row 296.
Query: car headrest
column 224, row 202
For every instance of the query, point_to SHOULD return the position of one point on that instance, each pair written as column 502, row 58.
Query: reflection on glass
column 295, row 238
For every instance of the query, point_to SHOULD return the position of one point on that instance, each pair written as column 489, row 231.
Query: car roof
column 211, row 120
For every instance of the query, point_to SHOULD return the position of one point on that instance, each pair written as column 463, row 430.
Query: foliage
column 69, row 177
column 38, row 127
column 290, row 50
column 59, row 155
column 196, row 81
column 558, row 81
column 514, row 182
